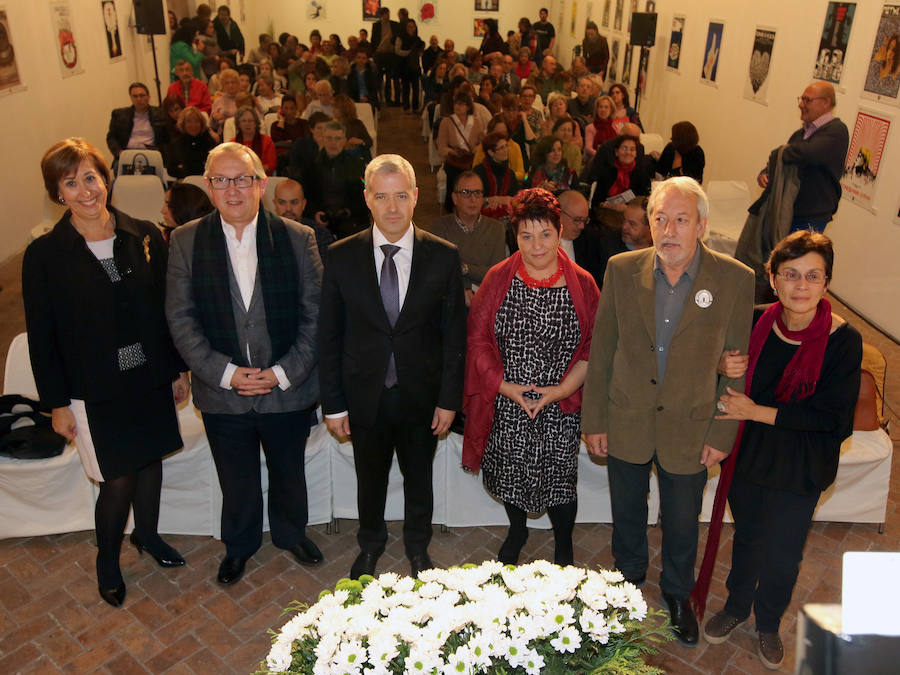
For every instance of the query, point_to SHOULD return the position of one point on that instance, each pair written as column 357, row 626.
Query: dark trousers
column 373, row 450
column 770, row 528
column 388, row 77
column 681, row 498
column 409, row 80
column 234, row 441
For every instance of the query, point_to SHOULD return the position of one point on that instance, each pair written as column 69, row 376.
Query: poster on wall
column 834, row 41
column 711, row 52
column 607, row 5
column 620, row 9
column 315, row 10
column 9, row 70
column 650, row 7
column 370, row 9
column 427, row 11
column 643, row 67
column 111, row 26
column 64, row 38
column 860, row 176
column 756, row 87
column 883, row 76
column 574, row 14
column 614, row 61
column 626, row 64
column 487, row 5
column 673, row 58
column 479, row 28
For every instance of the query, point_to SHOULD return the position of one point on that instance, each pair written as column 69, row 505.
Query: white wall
column 52, row 107
column 737, row 134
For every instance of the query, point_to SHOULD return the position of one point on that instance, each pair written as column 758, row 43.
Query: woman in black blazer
column 623, row 170
column 101, row 354
column 683, row 156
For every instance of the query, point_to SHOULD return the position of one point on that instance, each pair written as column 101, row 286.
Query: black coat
column 692, row 163
column 121, row 122
column 605, row 175
column 370, row 80
column 73, row 313
column 187, row 154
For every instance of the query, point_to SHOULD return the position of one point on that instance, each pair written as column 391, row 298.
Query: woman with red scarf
column 499, row 180
column 530, row 327
column 247, row 121
column 600, row 130
column 621, row 172
column 801, row 389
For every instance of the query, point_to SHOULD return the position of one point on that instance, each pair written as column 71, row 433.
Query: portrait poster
column 883, row 76
column 834, row 41
column 64, row 38
column 315, row 10
column 756, row 87
column 711, row 52
column 673, row 58
column 620, row 9
column 573, row 17
column 867, row 141
column 479, row 28
column 111, row 30
column 487, row 5
column 427, row 11
column 9, row 69
column 370, row 9
column 626, row 63
column 607, row 6
column 613, row 73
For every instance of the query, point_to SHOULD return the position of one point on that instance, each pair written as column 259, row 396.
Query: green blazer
column 622, row 397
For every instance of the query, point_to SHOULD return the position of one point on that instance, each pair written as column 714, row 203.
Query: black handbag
column 140, row 166
column 24, row 432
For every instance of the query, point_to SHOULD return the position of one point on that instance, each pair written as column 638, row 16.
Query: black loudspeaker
column 149, row 17
column 643, row 29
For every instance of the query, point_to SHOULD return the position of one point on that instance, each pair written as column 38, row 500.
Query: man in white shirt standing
column 242, row 303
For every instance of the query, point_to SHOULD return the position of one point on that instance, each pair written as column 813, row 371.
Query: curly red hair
column 534, row 204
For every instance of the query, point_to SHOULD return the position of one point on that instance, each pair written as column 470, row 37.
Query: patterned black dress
column 533, row 463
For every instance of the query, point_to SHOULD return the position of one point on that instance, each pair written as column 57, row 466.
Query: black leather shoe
column 165, row 556
column 512, row 547
column 683, row 621
column 419, row 562
column 364, row 564
column 230, row 571
column 114, row 596
column 307, row 553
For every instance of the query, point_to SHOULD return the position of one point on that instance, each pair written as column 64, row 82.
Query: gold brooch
column 147, row 247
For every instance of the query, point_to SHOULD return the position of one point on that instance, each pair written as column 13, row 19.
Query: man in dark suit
column 665, row 317
column 392, row 339
column 242, row 301
column 581, row 244
column 138, row 126
column 384, row 32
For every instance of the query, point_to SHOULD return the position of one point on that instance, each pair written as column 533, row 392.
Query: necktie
column 390, row 296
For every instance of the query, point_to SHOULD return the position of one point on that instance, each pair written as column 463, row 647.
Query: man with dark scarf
column 242, row 303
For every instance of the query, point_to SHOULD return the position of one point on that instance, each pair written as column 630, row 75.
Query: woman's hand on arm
column 733, row 364
column 181, row 387
column 737, row 406
column 63, row 422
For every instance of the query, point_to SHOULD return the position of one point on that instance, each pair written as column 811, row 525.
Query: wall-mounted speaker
column 643, row 29
column 149, row 17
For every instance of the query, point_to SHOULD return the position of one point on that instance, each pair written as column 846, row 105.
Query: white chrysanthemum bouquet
column 491, row 618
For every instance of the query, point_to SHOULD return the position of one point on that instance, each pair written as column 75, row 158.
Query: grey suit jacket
column 622, row 397
column 207, row 365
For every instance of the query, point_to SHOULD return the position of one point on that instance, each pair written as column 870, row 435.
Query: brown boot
column 770, row 650
column 719, row 627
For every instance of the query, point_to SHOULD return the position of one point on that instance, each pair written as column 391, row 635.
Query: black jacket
column 121, row 122
column 371, row 84
column 74, row 314
column 606, row 176
column 692, row 163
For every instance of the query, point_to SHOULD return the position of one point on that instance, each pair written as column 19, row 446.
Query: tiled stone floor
column 180, row 621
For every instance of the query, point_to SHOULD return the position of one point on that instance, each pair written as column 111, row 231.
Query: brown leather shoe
column 770, row 650
column 719, row 627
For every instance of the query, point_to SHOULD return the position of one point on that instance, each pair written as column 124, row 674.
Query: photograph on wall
column 9, row 70
column 711, row 52
column 479, row 28
column 64, row 38
column 427, row 11
column 883, row 76
column 607, row 6
column 673, row 58
column 613, row 72
column 574, row 15
column 643, row 67
column 487, row 5
column 620, row 9
column 111, row 26
column 756, row 87
column 315, row 9
column 626, row 64
column 371, row 9
column 835, row 38
column 867, row 141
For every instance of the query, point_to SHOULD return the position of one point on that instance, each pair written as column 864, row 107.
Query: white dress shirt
column 244, row 263
column 568, row 245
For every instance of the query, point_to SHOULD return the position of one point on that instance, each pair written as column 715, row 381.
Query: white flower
column 388, row 579
column 459, row 661
column 405, row 585
column 567, row 640
column 279, row 658
column 421, row 661
column 430, row 589
column 561, row 615
column 350, row 657
column 612, row 576
column 523, row 626
column 480, row 650
column 517, row 652
column 533, row 662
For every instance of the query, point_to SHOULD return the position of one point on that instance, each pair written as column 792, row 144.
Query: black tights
column 562, row 518
column 140, row 489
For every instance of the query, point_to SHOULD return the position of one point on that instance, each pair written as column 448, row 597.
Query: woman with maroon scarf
column 530, row 327
column 601, row 129
column 247, row 121
column 621, row 172
column 801, row 389
column 500, row 182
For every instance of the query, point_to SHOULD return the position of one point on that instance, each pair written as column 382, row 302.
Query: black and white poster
column 756, row 87
column 834, row 41
column 111, row 29
column 614, row 61
column 626, row 64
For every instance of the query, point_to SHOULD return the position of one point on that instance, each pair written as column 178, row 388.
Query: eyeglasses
column 222, row 182
column 579, row 220
column 470, row 193
column 812, row 277
column 805, row 100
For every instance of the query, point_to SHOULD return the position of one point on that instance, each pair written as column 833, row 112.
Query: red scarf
column 603, row 131
column 623, row 178
column 494, row 189
column 797, row 382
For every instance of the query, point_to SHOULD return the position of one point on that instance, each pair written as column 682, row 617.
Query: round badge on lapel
column 703, row 299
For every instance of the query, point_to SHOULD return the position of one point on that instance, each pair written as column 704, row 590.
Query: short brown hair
column 63, row 158
column 492, row 140
column 189, row 112
column 798, row 244
column 684, row 137
column 534, row 204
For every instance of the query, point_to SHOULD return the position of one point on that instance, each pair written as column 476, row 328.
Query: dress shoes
column 419, row 562
column 114, row 596
column 230, row 570
column 307, row 553
column 364, row 564
column 719, row 628
column 683, row 621
column 165, row 555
